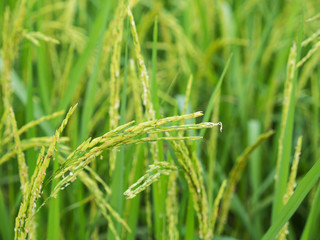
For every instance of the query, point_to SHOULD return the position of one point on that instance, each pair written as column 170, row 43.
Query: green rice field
column 159, row 120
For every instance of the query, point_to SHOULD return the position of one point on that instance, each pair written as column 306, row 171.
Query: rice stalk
column 32, row 143
column 192, row 173
column 311, row 38
column 23, row 168
column 187, row 96
column 34, row 37
column 234, row 177
column 92, row 148
column 34, row 189
column 152, row 175
column 32, row 124
column 291, row 185
column 143, row 74
column 212, row 149
column 103, row 205
column 317, row 16
column 172, row 208
column 214, row 214
column 135, row 91
column 11, row 35
column 117, row 32
column 310, row 53
column 284, row 146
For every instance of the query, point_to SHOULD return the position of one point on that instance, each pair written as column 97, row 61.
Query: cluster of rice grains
column 78, row 160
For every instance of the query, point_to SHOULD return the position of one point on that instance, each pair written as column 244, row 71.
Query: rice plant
column 158, row 120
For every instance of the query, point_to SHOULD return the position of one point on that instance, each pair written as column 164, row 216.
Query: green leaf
column 303, row 188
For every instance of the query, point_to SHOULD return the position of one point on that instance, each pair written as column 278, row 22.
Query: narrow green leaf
column 31, row 155
column 133, row 216
column 303, row 188
column 54, row 207
column 43, row 70
column 285, row 139
column 80, row 66
column 158, row 189
column 213, row 96
column 44, row 77
column 254, row 130
column 311, row 228
column 89, row 102
column 6, row 228
column 190, row 219
column 117, row 186
column 154, row 85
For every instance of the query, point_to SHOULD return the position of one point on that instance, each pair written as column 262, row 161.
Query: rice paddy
column 134, row 119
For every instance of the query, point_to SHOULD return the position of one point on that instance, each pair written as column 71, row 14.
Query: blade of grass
column 117, row 186
column 190, row 219
column 234, row 177
column 19, row 89
column 159, row 188
column 31, row 155
column 88, row 106
column 6, row 228
column 154, row 87
column 24, row 220
column 212, row 151
column 216, row 204
column 80, row 66
column 203, row 19
column 54, row 207
column 315, row 115
column 311, row 227
column 254, row 130
column 44, row 74
column 303, row 188
column 73, row 131
column 239, row 209
column 213, row 96
column 96, row 37
column 44, row 77
column 134, row 209
column 2, row 12
column 285, row 139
